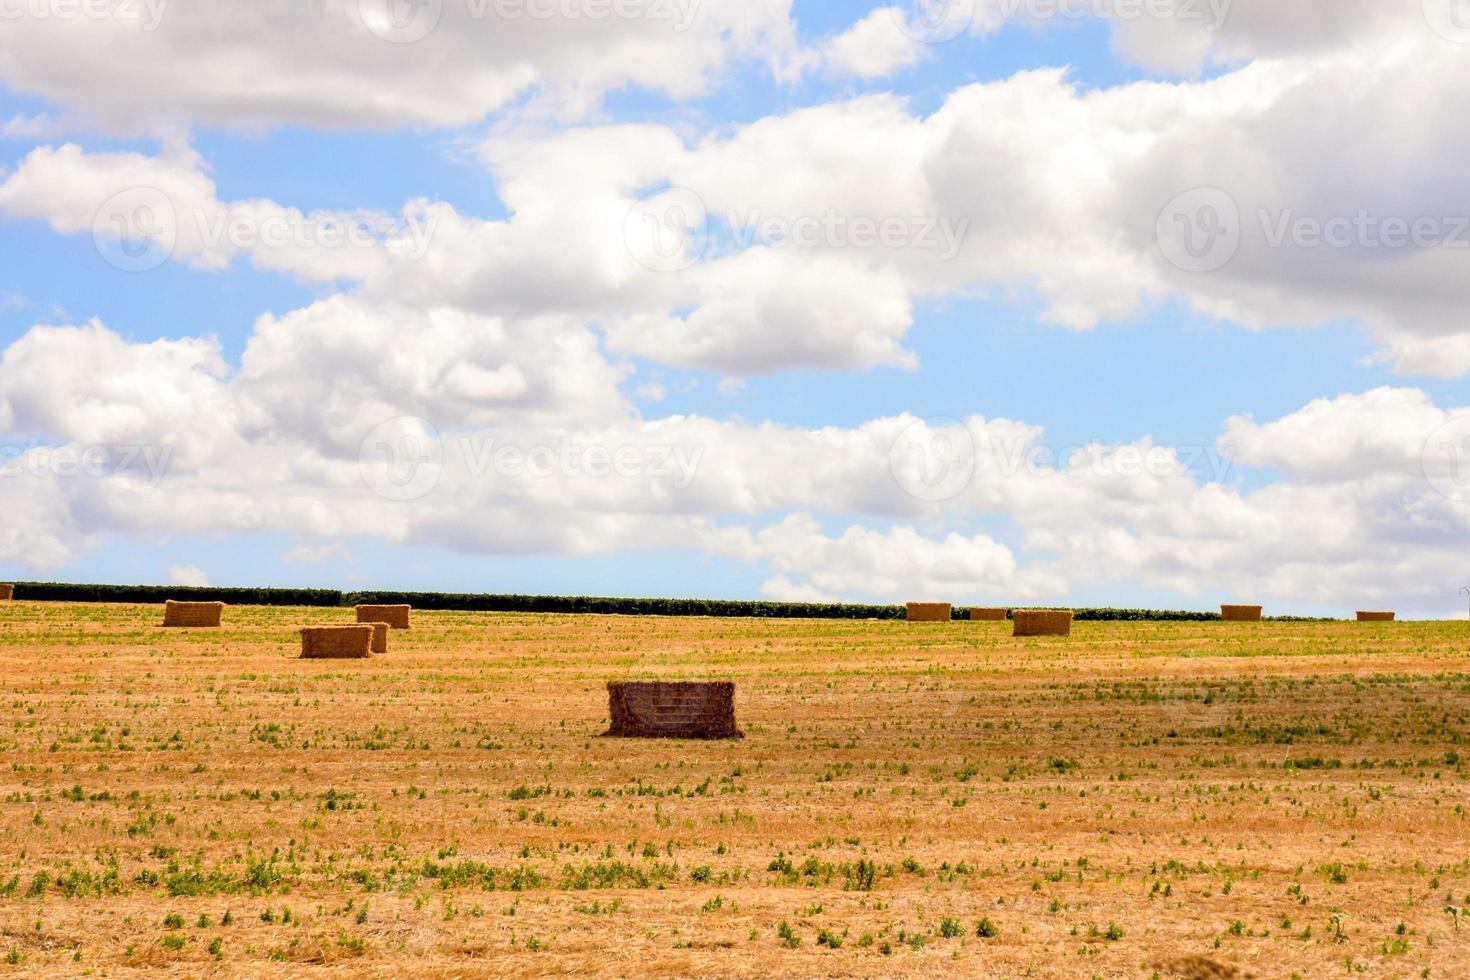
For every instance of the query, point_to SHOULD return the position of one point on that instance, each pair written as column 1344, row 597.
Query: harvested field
column 1196, row 799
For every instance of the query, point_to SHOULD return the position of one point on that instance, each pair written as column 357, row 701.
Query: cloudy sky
column 1130, row 302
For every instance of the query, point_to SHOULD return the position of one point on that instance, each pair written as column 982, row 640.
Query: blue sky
column 1182, row 360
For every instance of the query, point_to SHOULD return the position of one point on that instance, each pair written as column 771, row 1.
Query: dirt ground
column 1199, row 800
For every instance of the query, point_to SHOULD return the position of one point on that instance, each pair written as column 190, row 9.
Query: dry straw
column 337, row 642
column 194, row 614
column 1042, row 622
column 7, row 592
column 989, row 615
column 380, row 637
column 928, row 612
column 394, row 616
column 1240, row 614
column 672, row 709
column 1375, row 617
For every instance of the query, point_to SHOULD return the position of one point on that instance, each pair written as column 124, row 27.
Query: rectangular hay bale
column 192, row 614
column 337, row 642
column 1240, row 614
column 1376, row 617
column 394, row 616
column 7, row 592
column 928, row 612
column 672, row 709
column 380, row 636
column 1042, row 622
column 988, row 614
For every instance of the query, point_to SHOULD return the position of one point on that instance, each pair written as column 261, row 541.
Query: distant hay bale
column 1042, row 622
column 1375, row 617
column 337, row 642
column 672, row 709
column 1199, row 967
column 192, row 614
column 989, row 615
column 929, row 612
column 380, row 637
column 394, row 616
column 1240, row 614
column 7, row 592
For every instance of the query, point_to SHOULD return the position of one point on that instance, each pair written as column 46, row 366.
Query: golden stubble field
column 1181, row 800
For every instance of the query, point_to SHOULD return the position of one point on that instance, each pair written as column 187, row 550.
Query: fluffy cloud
column 490, row 349
column 1378, row 432
column 808, row 239
column 456, row 369
column 874, row 47
column 375, row 63
column 142, row 211
column 891, row 564
column 88, row 385
column 1181, row 37
column 190, row 575
column 865, row 512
